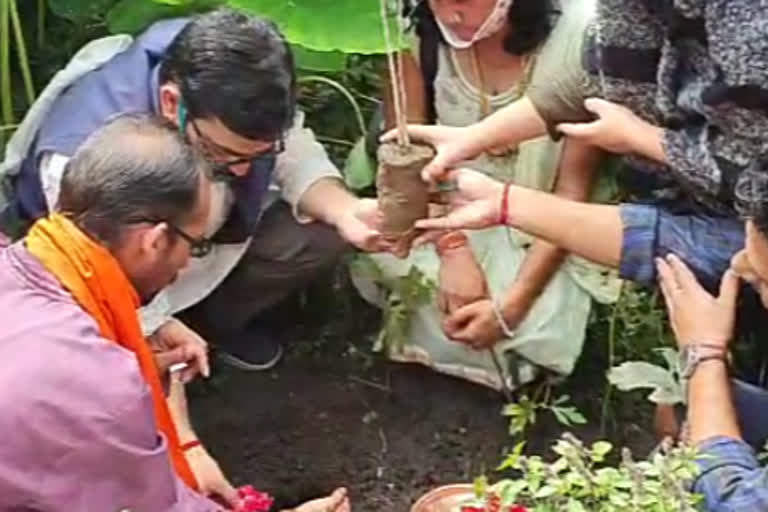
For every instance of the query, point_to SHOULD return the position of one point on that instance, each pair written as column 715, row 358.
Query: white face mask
column 492, row 24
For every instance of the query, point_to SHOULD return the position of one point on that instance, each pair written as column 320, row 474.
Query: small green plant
column 409, row 293
column 522, row 414
column 666, row 383
column 634, row 327
column 404, row 295
column 581, row 480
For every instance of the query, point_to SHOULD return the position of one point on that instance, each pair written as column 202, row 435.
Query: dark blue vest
column 127, row 83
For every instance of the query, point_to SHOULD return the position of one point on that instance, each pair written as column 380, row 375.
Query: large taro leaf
column 639, row 375
column 310, row 60
column 132, row 16
column 79, row 11
column 349, row 26
column 327, row 28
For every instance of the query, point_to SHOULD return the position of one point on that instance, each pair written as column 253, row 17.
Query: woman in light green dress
column 543, row 295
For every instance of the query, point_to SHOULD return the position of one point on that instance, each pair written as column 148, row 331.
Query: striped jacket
column 699, row 69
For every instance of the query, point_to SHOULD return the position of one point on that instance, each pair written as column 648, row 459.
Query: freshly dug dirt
column 334, row 414
column 389, row 433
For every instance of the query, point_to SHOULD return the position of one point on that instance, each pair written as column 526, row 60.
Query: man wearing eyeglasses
column 226, row 80
column 279, row 209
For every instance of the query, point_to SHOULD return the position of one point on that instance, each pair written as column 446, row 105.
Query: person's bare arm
column 416, row 98
column 517, row 122
column 700, row 318
column 572, row 225
column 618, row 130
column 327, row 200
column 208, row 474
column 710, row 407
column 576, row 172
column 510, row 126
column 356, row 219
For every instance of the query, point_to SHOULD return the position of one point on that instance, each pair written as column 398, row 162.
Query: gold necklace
column 522, row 85
column 529, row 61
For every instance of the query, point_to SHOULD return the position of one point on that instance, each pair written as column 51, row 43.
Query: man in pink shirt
column 79, row 424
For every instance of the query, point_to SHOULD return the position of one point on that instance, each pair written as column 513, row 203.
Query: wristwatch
column 696, row 353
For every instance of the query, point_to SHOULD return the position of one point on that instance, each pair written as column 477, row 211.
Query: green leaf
column 133, row 16
column 568, row 415
column 510, row 490
column 560, row 416
column 360, row 168
column 618, row 500
column 671, row 357
column 545, row 492
column 575, row 506
column 560, row 465
column 349, row 26
column 512, row 459
column 310, row 60
column 480, row 486
column 666, row 396
column 639, row 374
column 602, row 448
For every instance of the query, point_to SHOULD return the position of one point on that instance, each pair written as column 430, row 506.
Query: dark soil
column 332, row 414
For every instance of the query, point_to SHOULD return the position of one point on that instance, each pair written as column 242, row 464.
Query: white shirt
column 303, row 163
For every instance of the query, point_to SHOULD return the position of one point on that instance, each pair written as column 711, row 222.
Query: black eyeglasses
column 223, row 170
column 198, row 247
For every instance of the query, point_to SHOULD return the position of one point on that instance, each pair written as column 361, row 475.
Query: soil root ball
column 403, row 196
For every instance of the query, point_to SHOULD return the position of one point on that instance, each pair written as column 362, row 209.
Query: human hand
column 616, row 128
column 360, row 226
column 338, row 501
column 452, row 145
column 697, row 316
column 474, row 204
column 175, row 343
column 475, row 325
column 210, row 478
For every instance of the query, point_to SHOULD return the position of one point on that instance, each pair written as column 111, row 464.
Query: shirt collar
column 154, row 86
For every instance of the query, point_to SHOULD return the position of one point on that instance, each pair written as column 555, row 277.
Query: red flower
column 251, row 500
column 517, row 508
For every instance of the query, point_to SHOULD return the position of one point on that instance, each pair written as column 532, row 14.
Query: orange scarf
column 96, row 281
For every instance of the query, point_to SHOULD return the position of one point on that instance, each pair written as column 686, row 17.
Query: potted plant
column 579, row 480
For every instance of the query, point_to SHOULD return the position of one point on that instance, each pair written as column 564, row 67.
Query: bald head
column 135, row 168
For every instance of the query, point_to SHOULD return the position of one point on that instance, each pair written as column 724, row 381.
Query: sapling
column 403, row 195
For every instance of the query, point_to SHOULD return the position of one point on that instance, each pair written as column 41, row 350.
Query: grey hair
column 135, row 167
column 752, row 195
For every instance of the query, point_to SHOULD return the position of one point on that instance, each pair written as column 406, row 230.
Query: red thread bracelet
column 504, row 207
column 190, row 444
